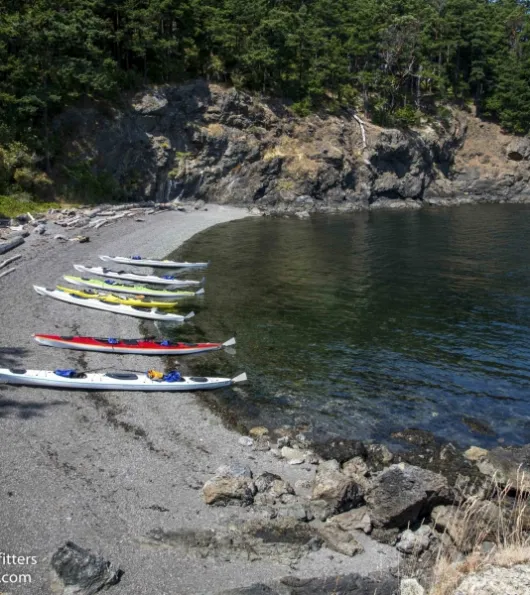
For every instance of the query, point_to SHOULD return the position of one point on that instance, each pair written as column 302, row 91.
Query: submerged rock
column 340, row 450
column 81, row 571
column 403, row 493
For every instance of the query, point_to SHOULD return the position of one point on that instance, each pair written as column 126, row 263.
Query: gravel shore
column 105, row 470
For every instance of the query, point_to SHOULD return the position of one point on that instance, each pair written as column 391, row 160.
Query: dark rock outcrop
column 81, row 571
column 351, row 584
column 200, row 141
column 403, row 493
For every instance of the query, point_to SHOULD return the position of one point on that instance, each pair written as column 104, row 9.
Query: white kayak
column 166, row 280
column 149, row 262
column 137, row 312
column 112, row 380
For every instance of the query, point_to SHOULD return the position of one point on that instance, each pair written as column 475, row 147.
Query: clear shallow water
column 360, row 325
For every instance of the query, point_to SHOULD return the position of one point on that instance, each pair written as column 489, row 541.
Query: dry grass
column 215, row 129
column 295, row 153
column 474, row 522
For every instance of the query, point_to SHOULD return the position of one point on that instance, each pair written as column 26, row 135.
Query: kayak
column 165, row 280
column 113, row 380
column 135, row 311
column 139, row 301
column 148, row 262
column 139, row 346
column 117, row 287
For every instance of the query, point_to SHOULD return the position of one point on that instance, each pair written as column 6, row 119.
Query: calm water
column 363, row 324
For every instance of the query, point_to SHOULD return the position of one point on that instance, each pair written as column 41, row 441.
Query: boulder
column 230, row 483
column 294, row 456
column 223, row 490
column 378, row 455
column 81, row 571
column 475, row 453
column 410, row 586
column 356, row 519
column 272, row 484
column 339, row 541
column 518, row 149
column 508, row 466
column 258, row 431
column 341, row 491
column 355, row 467
column 415, row 542
column 403, row 493
column 494, row 580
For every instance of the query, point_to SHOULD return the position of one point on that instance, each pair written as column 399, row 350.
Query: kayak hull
column 102, row 272
column 118, row 381
column 116, row 287
column 111, row 298
column 114, row 308
column 149, row 262
column 131, row 346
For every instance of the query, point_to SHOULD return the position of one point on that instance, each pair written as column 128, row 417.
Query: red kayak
column 140, row 346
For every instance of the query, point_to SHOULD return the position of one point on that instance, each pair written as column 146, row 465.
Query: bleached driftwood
column 107, row 220
column 6, row 262
column 363, row 132
column 8, row 271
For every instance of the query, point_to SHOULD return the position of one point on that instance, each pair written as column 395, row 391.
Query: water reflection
column 366, row 323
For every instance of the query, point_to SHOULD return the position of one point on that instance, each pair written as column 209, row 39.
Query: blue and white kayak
column 113, row 380
column 149, row 262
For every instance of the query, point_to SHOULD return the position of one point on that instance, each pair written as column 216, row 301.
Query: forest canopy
column 394, row 59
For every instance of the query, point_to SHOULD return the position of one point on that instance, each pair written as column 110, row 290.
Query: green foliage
column 83, row 182
column 15, row 204
column 395, row 59
column 302, row 108
column 406, row 116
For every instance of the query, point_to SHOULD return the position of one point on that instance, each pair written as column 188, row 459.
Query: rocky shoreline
column 172, row 497
column 219, row 144
column 364, row 489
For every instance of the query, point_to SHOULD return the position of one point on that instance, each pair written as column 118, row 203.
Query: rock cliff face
column 201, row 141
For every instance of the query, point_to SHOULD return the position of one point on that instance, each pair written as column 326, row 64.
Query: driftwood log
column 7, row 246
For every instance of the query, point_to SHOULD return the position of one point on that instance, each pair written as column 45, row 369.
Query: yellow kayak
column 138, row 301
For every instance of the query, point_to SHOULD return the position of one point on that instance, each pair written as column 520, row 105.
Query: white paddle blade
column 190, row 315
column 200, row 291
column 231, row 341
column 240, row 378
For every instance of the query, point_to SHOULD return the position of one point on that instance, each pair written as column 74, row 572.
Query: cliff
column 200, row 141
